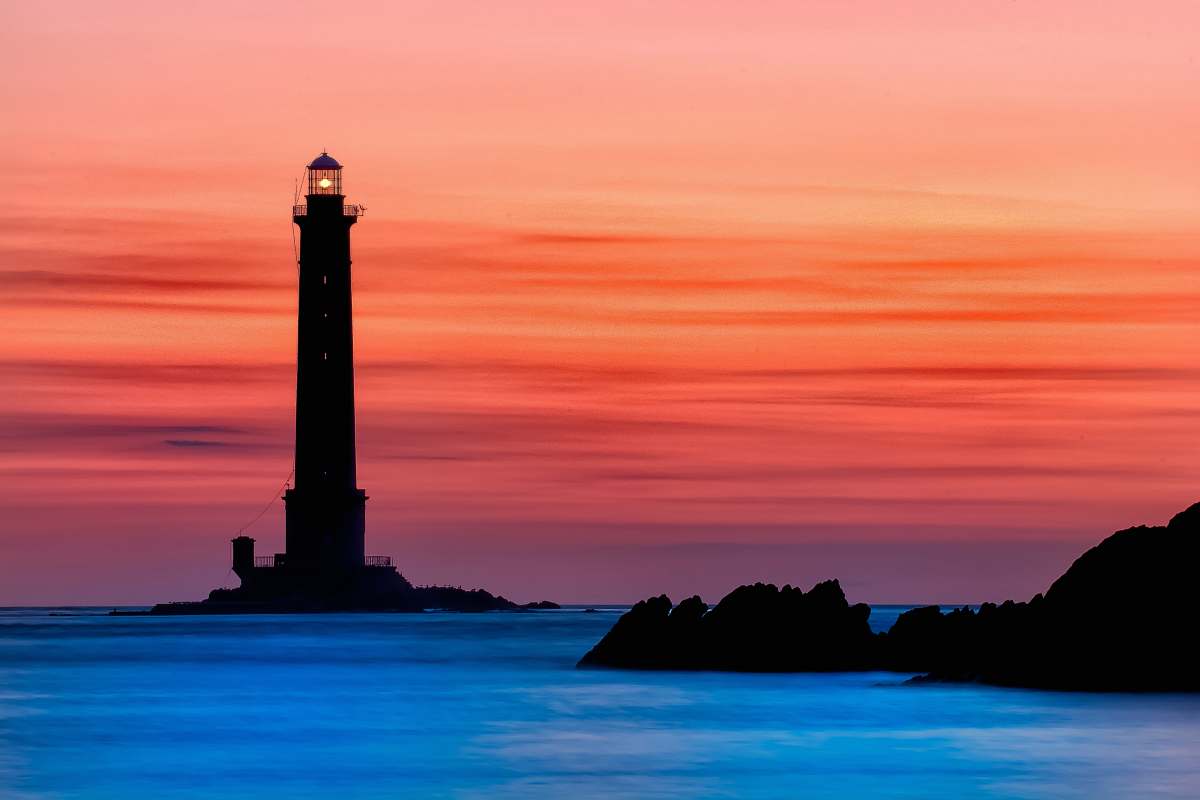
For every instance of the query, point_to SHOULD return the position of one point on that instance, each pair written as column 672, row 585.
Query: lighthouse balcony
column 281, row 560
column 347, row 211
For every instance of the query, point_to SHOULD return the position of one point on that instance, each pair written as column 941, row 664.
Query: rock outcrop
column 1120, row 619
column 757, row 628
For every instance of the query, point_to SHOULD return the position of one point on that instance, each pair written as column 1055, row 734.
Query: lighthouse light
column 325, row 175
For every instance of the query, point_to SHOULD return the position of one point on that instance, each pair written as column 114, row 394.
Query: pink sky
column 650, row 297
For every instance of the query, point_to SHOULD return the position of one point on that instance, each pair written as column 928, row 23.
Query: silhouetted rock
column 638, row 639
column 962, row 644
column 540, row 605
column 452, row 598
column 1120, row 619
column 757, row 628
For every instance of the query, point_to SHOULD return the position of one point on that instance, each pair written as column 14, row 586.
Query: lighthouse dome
column 324, row 161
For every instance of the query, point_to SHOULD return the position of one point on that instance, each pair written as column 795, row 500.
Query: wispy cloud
column 125, row 282
column 194, row 443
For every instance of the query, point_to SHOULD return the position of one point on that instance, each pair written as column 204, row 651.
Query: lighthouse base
column 288, row 590
column 283, row 584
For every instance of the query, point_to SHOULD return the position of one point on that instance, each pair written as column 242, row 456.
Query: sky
column 650, row 297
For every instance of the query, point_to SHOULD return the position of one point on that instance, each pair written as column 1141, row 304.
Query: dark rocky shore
column 1120, row 619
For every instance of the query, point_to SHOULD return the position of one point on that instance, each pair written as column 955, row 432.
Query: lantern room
column 325, row 175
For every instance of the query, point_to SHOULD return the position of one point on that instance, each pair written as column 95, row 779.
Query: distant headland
column 1121, row 618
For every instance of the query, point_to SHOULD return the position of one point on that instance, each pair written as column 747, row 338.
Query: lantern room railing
column 347, row 211
column 280, row 560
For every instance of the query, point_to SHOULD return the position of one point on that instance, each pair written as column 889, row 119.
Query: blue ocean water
column 490, row 706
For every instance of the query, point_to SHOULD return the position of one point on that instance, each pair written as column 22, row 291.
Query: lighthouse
column 325, row 518
column 323, row 566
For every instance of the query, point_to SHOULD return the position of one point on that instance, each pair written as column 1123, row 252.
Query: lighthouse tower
column 323, row 564
column 325, row 508
column 324, row 567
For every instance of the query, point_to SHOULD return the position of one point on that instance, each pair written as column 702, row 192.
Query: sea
column 441, row 705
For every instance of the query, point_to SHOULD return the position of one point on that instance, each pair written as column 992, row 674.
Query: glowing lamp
column 325, row 175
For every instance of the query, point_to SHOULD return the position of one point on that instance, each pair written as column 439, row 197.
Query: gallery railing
column 347, row 211
column 279, row 560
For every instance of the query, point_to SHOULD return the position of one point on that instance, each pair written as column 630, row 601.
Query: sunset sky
column 649, row 296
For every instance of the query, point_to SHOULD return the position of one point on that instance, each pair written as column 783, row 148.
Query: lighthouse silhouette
column 324, row 560
column 324, row 566
column 325, row 509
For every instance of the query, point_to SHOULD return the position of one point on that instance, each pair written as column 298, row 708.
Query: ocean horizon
column 491, row 705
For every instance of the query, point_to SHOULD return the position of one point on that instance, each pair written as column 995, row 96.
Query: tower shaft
column 325, row 510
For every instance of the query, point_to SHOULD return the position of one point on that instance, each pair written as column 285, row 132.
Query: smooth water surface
column 490, row 705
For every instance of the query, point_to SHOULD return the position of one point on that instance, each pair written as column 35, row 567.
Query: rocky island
column 1120, row 618
column 386, row 591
